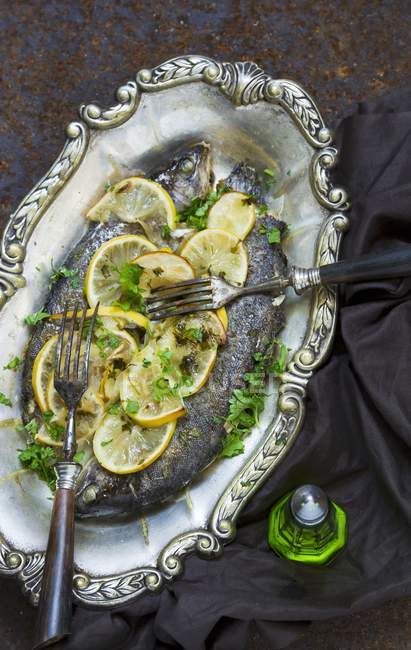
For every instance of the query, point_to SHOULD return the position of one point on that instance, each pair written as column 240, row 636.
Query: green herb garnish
column 262, row 209
column 5, row 400
column 106, row 339
column 131, row 294
column 247, row 404
column 166, row 232
column 64, row 272
column 274, row 236
column 279, row 363
column 146, row 363
column 36, row 317
column 196, row 215
column 13, row 364
column 78, row 458
column 165, row 359
column 115, row 409
column 132, row 407
column 161, row 389
column 40, row 459
column 195, row 334
column 104, row 443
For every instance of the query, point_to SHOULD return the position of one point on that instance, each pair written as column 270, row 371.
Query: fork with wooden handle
column 70, row 381
column 212, row 292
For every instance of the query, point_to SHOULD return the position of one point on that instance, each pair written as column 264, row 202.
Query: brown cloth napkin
column 355, row 444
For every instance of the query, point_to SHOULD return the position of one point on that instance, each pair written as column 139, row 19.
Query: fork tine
column 84, row 373
column 160, row 315
column 164, row 304
column 186, row 283
column 79, row 341
column 69, row 344
column 59, row 348
column 179, row 292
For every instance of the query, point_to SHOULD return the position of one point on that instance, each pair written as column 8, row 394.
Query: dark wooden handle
column 55, row 606
column 377, row 266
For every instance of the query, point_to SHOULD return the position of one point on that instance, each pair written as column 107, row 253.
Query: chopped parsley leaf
column 132, row 407
column 78, row 458
column 196, row 215
column 64, row 272
column 274, row 236
column 5, row 400
column 13, row 364
column 165, row 359
column 195, row 334
column 36, row 317
column 166, row 232
column 115, row 409
column 262, row 209
column 40, row 459
column 247, row 404
column 146, row 363
column 131, row 294
column 104, row 443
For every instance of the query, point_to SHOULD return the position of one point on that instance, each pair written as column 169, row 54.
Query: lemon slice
column 162, row 268
column 101, row 283
column 234, row 213
column 137, row 200
column 123, row 447
column 114, row 317
column 42, row 368
column 136, row 394
column 223, row 316
column 217, row 252
column 175, row 364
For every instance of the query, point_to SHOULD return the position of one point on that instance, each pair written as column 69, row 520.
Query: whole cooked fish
column 253, row 324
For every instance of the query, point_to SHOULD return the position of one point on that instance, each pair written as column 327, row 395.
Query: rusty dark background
column 57, row 54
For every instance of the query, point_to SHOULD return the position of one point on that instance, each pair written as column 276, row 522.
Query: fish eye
column 187, row 165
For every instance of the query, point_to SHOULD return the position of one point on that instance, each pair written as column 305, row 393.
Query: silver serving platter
column 245, row 114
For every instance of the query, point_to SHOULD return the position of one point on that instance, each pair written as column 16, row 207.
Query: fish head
column 188, row 176
column 100, row 493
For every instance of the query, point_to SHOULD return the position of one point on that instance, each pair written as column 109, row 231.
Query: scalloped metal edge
column 243, row 83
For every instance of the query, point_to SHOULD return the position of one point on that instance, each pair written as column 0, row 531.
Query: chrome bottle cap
column 309, row 505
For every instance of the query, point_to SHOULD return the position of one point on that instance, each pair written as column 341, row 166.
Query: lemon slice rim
column 171, row 212
column 212, row 215
column 41, row 400
column 97, row 255
column 115, row 312
column 169, row 432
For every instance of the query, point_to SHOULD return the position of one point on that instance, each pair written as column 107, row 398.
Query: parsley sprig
column 36, row 317
column 38, row 458
column 5, row 400
column 13, row 364
column 196, row 215
column 247, row 404
column 131, row 294
column 63, row 272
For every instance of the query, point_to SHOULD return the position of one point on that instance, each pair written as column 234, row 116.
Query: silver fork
column 211, row 292
column 70, row 381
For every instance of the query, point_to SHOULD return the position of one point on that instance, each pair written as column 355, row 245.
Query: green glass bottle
column 305, row 526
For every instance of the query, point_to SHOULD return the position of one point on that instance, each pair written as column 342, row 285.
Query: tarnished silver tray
column 245, row 114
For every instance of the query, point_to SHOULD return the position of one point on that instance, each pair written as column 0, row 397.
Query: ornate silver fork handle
column 212, row 292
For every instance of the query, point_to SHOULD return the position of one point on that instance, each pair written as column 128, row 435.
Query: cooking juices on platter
column 176, row 454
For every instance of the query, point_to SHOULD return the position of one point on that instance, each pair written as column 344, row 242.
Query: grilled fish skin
column 244, row 178
column 253, row 324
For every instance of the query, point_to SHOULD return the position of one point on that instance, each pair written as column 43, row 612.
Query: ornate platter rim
column 242, row 83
